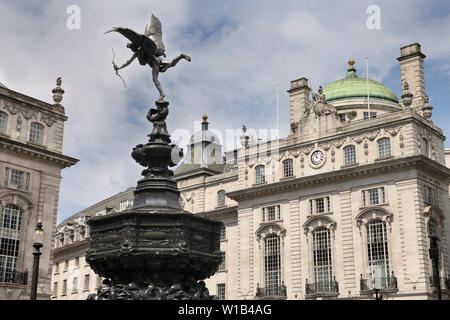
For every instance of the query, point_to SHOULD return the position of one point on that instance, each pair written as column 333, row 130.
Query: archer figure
column 149, row 49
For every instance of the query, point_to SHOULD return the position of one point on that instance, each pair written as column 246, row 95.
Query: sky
column 241, row 51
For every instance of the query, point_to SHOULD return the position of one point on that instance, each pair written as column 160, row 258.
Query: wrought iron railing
column 14, row 277
column 445, row 282
column 279, row 291
column 389, row 282
column 324, row 287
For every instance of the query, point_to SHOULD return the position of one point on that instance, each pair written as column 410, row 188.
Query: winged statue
column 149, row 49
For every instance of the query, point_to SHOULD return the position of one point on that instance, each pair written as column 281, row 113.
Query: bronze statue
column 149, row 49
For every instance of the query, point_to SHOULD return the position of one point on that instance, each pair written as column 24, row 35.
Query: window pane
column 16, row 180
column 272, row 261
column 221, row 198
column 270, row 213
column 349, row 155
column 260, row 175
column 322, row 259
column 221, row 291
column 37, row 133
column 377, row 249
column 288, row 168
column 384, row 148
column 3, row 122
column 373, row 196
column 10, row 224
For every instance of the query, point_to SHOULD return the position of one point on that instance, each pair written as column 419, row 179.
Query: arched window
column 378, row 255
column 10, row 223
column 425, row 149
column 272, row 264
column 260, row 174
column 322, row 259
column 3, row 122
column 349, row 155
column 37, row 133
column 221, row 198
column 384, row 148
column 288, row 168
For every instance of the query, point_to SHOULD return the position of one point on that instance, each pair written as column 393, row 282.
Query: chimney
column 299, row 100
column 411, row 68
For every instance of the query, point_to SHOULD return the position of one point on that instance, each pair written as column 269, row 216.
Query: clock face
column 317, row 157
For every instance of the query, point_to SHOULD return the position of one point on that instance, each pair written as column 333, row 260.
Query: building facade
column 345, row 207
column 31, row 160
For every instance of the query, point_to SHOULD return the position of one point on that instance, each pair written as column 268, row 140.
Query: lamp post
column 39, row 234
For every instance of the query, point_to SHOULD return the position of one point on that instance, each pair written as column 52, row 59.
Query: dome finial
column 205, row 123
column 351, row 62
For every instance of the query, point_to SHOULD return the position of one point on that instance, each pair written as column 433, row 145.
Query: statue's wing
column 134, row 37
column 153, row 30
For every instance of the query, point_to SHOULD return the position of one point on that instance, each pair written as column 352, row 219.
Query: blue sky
column 240, row 50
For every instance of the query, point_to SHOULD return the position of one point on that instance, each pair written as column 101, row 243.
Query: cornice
column 419, row 161
column 77, row 245
column 21, row 100
column 37, row 152
column 220, row 212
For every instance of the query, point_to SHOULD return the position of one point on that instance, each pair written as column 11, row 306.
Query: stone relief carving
column 11, row 108
column 49, row 121
column 19, row 123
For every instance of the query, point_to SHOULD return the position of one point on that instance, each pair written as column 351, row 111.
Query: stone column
column 299, row 100
column 411, row 68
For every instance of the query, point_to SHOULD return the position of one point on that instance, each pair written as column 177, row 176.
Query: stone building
column 343, row 207
column 31, row 160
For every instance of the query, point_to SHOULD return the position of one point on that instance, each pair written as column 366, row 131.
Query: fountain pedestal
column 154, row 250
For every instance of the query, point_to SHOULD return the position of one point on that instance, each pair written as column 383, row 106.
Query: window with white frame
column 272, row 261
column 221, row 198
column 223, row 233
column 17, row 179
column 319, row 205
column 260, row 174
column 222, row 265
column 377, row 251
column 373, row 196
column 322, row 259
column 429, row 195
column 37, row 133
column 288, row 168
column 10, row 226
column 384, row 148
column 221, row 291
column 349, row 155
column 3, row 122
column 425, row 148
column 75, row 285
column 86, row 282
column 271, row 213
column 124, row 204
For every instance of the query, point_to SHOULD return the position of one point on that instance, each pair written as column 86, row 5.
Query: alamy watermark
column 73, row 22
column 374, row 20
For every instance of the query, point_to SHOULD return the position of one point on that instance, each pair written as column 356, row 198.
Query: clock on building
column 317, row 157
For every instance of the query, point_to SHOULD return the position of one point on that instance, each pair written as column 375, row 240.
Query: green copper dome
column 352, row 87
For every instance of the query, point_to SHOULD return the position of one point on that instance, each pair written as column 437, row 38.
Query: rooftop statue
column 149, row 49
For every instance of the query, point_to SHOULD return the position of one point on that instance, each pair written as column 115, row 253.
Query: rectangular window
column 16, row 180
column 64, row 288
column 66, row 265
column 222, row 265
column 373, row 196
column 221, row 291
column 271, row 213
column 372, row 115
column 342, row 117
column 6, row 176
column 57, row 268
column 77, row 261
column 55, row 289
column 260, row 174
column 86, row 282
column 319, row 205
column 288, row 168
column 75, row 285
column 429, row 195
